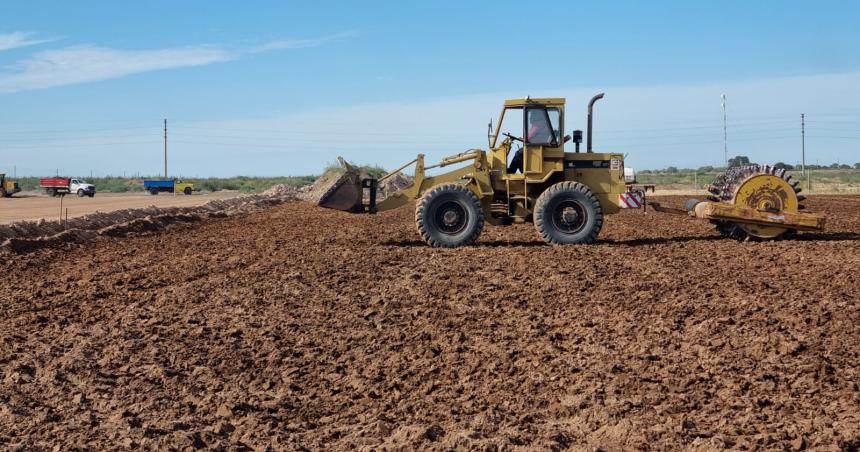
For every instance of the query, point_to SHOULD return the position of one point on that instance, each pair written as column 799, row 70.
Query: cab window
column 542, row 126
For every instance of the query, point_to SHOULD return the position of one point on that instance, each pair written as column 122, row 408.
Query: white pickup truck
column 629, row 175
column 56, row 186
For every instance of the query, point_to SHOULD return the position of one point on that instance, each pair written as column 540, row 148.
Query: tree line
column 742, row 160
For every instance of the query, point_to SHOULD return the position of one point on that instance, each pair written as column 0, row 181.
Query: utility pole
column 165, row 148
column 803, row 149
column 725, row 141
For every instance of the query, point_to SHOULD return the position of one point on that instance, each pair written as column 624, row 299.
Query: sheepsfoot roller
column 755, row 202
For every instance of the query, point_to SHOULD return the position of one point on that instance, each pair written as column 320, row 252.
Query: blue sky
column 272, row 88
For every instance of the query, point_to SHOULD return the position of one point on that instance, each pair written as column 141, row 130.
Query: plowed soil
column 299, row 327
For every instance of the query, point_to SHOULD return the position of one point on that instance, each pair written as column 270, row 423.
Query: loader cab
column 530, row 130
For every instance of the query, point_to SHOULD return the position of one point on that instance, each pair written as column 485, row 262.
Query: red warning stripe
column 630, row 200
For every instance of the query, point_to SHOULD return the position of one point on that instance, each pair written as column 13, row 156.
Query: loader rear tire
column 449, row 215
column 568, row 213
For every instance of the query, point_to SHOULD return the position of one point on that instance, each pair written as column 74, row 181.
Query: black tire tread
column 423, row 204
column 543, row 200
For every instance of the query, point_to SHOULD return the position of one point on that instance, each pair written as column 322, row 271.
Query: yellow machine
column 757, row 202
column 8, row 187
column 183, row 187
column 565, row 194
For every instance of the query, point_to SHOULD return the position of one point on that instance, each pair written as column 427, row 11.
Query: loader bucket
column 345, row 193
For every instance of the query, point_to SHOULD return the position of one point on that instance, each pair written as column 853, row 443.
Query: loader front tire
column 568, row 213
column 449, row 215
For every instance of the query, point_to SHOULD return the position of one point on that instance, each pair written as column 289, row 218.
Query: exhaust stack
column 590, row 107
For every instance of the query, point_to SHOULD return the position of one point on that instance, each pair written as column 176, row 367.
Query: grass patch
column 247, row 184
column 683, row 176
column 372, row 170
column 676, row 178
column 244, row 184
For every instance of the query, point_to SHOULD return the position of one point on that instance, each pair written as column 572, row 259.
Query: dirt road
column 36, row 206
column 298, row 327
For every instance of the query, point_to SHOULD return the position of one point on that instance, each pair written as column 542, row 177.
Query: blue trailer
column 156, row 186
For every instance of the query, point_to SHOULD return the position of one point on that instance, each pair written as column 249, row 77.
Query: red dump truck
column 56, row 186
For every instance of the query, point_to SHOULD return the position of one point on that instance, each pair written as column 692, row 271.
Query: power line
column 836, row 129
column 648, row 131
column 40, row 131
column 694, row 143
column 303, row 132
column 835, row 137
column 100, row 137
column 612, row 142
column 835, row 122
column 78, row 145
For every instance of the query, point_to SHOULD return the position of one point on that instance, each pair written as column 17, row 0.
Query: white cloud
column 284, row 44
column 87, row 63
column 80, row 64
column 19, row 39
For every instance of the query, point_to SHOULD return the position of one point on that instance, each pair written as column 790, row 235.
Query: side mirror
column 566, row 138
column 577, row 138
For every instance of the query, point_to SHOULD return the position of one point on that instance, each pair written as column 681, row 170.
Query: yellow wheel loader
column 564, row 194
column 8, row 187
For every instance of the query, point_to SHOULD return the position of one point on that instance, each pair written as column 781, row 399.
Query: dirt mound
column 32, row 235
column 320, row 187
column 324, row 183
column 282, row 190
column 392, row 184
column 306, row 328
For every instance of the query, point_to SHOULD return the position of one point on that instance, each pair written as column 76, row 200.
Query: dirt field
column 298, row 327
column 36, row 206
